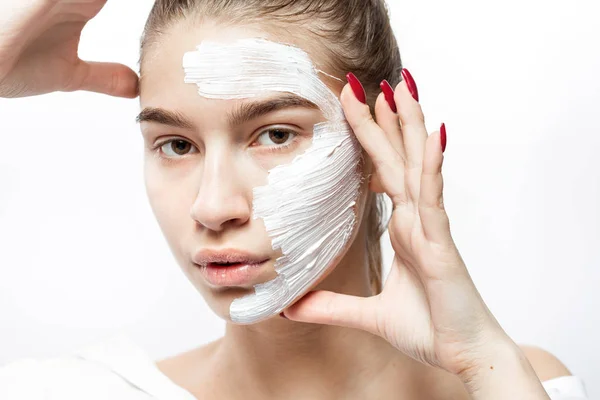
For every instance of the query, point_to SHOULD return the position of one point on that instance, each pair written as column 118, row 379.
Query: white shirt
column 116, row 368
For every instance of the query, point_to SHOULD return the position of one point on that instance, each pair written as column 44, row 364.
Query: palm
column 57, row 59
column 418, row 326
column 429, row 307
column 403, row 296
column 410, row 330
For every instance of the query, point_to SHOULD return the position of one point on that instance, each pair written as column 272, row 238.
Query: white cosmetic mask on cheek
column 309, row 205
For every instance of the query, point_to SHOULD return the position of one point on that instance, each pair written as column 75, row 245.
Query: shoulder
column 31, row 378
column 545, row 364
column 66, row 378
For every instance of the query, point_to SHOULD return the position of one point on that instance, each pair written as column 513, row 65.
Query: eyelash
column 271, row 149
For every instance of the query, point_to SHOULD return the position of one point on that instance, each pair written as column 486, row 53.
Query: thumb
column 107, row 78
column 329, row 308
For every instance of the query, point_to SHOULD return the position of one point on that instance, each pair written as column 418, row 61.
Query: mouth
column 229, row 267
column 231, row 274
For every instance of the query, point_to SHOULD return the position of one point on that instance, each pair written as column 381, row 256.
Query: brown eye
column 278, row 137
column 176, row 147
column 275, row 138
column 180, row 147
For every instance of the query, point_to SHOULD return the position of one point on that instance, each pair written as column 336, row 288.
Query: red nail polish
column 388, row 92
column 282, row 315
column 410, row 83
column 357, row 87
column 443, row 136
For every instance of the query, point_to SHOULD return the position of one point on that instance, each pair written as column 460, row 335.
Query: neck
column 291, row 357
column 309, row 360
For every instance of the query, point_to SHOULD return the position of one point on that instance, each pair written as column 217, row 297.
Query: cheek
column 167, row 196
column 153, row 184
column 267, row 160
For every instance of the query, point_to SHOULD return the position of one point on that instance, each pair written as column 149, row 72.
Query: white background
column 518, row 86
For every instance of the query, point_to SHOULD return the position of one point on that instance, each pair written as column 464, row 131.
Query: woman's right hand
column 38, row 51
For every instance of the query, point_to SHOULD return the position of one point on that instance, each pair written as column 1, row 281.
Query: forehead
column 162, row 72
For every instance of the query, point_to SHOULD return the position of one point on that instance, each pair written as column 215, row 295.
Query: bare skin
column 327, row 361
column 348, row 344
column 197, row 371
column 38, row 51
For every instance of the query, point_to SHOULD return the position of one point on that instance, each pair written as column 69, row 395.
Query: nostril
column 220, row 208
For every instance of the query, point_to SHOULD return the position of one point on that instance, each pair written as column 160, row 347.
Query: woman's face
column 204, row 157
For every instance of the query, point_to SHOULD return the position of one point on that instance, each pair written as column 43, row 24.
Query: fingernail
column 443, row 136
column 410, row 83
column 388, row 92
column 282, row 315
column 357, row 87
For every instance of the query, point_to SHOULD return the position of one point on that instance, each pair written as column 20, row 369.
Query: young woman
column 223, row 132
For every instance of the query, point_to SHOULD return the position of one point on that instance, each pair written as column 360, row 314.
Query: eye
column 176, row 148
column 276, row 137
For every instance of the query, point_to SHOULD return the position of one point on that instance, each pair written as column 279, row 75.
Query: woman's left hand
column 429, row 307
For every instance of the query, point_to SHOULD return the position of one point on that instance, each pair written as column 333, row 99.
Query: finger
column 414, row 135
column 108, row 78
column 387, row 119
column 434, row 219
column 388, row 164
column 325, row 307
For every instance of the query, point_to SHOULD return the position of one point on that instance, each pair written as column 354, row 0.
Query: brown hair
column 355, row 35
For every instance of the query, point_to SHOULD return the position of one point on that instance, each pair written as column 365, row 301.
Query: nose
column 223, row 200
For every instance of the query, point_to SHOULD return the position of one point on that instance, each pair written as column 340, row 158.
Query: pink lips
column 229, row 267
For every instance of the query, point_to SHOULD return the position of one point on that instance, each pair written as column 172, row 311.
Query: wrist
column 502, row 371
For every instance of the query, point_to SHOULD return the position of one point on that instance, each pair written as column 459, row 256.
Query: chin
column 219, row 295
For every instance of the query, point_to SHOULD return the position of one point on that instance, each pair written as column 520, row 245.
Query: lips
column 229, row 267
column 234, row 264
column 226, row 256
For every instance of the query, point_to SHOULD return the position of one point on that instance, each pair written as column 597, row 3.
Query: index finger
column 388, row 163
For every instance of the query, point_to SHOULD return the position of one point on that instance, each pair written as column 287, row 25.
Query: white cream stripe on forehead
column 308, row 205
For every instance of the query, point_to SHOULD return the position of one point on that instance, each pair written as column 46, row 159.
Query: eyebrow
column 245, row 112
column 165, row 117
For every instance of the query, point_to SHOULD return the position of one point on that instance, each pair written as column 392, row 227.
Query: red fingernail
column 282, row 315
column 388, row 92
column 410, row 83
column 357, row 87
column 443, row 136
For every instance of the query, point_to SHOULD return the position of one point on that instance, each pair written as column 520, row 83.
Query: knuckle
column 115, row 80
column 440, row 203
column 391, row 161
column 412, row 114
column 363, row 122
column 78, row 79
column 414, row 165
column 431, row 204
column 397, row 158
column 399, row 200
